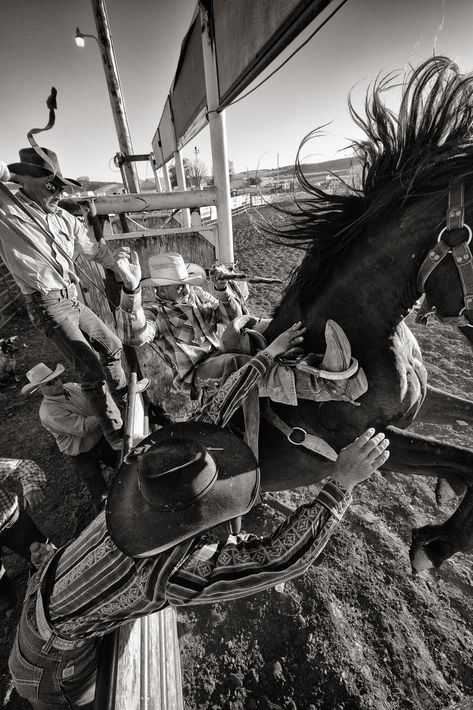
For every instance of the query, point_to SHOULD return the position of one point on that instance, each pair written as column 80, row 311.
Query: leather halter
column 461, row 254
column 297, row 436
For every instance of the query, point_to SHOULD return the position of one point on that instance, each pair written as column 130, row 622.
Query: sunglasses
column 54, row 186
column 50, row 383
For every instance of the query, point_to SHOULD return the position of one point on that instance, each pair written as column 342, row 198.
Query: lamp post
column 104, row 41
column 197, row 175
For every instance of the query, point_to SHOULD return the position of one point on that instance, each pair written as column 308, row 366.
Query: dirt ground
column 359, row 631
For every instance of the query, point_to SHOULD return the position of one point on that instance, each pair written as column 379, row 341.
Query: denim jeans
column 212, row 372
column 92, row 349
column 18, row 538
column 87, row 466
column 48, row 671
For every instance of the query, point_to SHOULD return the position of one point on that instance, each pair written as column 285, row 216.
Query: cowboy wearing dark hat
column 165, row 539
column 38, row 241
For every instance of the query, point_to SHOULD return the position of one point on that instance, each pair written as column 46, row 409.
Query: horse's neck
column 371, row 290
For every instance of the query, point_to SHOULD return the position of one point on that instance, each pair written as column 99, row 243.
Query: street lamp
column 79, row 38
column 105, row 44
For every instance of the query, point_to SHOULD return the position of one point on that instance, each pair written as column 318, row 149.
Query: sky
column 37, row 51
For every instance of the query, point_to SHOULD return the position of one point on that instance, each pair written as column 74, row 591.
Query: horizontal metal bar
column 159, row 233
column 146, row 201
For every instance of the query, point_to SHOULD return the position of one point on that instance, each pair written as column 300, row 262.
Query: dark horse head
column 408, row 160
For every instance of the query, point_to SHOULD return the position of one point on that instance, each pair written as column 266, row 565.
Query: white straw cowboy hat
column 39, row 374
column 34, row 166
column 170, row 268
column 177, row 483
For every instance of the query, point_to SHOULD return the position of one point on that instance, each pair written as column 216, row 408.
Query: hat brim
column 139, row 530
column 197, row 277
column 33, row 386
column 37, row 171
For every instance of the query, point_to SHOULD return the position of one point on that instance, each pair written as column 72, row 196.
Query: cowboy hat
column 33, row 165
column 169, row 268
column 38, row 375
column 178, row 482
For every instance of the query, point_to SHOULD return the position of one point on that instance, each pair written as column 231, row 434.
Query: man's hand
column 127, row 268
column 32, row 499
column 360, row 459
column 286, row 340
column 216, row 273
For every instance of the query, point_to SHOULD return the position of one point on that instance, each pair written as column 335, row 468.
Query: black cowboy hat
column 178, row 482
column 33, row 165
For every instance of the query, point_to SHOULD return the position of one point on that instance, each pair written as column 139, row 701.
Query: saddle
column 334, row 375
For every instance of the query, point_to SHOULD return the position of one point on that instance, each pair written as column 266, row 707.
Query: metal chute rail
column 139, row 667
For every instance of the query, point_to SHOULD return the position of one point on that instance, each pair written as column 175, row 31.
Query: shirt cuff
column 266, row 357
column 334, row 498
column 130, row 302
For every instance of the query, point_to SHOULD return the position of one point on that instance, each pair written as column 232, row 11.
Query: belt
column 68, row 291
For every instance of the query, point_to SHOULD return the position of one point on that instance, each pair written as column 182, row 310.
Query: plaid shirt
column 98, row 588
column 32, row 478
column 185, row 333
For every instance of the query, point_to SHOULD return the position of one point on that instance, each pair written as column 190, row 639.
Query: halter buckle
column 297, row 443
column 447, row 229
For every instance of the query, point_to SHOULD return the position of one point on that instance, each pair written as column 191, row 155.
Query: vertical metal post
column 167, row 182
column 155, row 172
column 181, row 183
column 218, row 141
column 115, row 91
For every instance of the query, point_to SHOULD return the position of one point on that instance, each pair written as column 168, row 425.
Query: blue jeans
column 92, row 349
column 87, row 466
column 48, row 671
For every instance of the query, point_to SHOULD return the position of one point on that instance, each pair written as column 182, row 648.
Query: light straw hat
column 170, row 268
column 39, row 374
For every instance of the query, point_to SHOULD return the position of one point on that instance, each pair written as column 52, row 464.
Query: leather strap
column 433, row 259
column 464, row 262
column 456, row 205
column 299, row 437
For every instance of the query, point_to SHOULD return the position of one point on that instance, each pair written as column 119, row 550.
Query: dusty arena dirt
column 359, row 631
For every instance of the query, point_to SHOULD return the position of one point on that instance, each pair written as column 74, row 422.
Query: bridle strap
column 433, row 259
column 464, row 262
column 456, row 205
column 299, row 437
column 461, row 253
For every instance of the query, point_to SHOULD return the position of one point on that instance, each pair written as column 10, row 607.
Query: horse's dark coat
column 360, row 269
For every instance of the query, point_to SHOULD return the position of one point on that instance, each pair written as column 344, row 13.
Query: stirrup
column 308, row 364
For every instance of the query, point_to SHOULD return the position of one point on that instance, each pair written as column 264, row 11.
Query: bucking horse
column 369, row 257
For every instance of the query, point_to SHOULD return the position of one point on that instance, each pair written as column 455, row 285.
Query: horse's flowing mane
column 409, row 155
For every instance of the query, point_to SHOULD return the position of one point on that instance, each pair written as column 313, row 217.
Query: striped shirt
column 185, row 333
column 31, row 477
column 98, row 588
column 29, row 258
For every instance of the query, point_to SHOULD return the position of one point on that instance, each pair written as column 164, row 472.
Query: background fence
column 11, row 301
